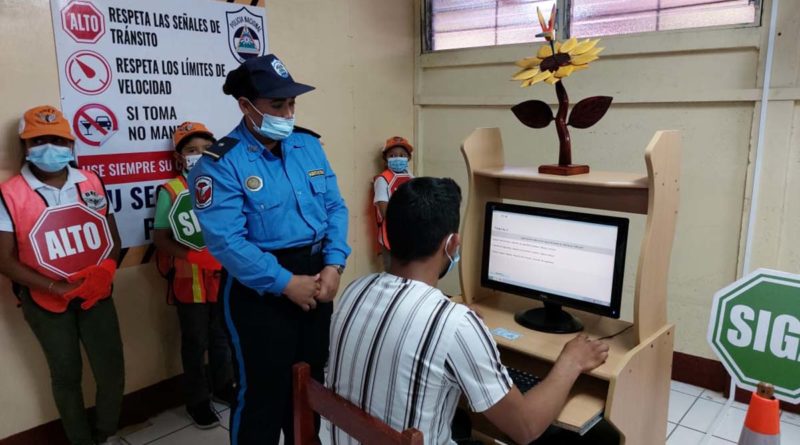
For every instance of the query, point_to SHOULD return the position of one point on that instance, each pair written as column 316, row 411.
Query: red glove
column 203, row 259
column 96, row 283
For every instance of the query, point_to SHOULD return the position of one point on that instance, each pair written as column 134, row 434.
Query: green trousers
column 61, row 336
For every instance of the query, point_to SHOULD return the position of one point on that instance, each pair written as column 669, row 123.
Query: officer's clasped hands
column 303, row 290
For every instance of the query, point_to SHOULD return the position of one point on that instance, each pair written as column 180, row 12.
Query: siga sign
column 184, row 223
column 69, row 238
column 755, row 331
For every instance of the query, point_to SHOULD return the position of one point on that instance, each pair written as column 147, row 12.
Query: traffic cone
column 762, row 425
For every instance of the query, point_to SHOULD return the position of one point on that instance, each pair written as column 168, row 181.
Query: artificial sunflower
column 556, row 60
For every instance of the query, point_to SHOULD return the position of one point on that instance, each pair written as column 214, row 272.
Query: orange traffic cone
column 762, row 425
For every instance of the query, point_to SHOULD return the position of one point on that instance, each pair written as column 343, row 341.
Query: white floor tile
column 731, row 426
column 719, row 398
column 718, row 441
column 679, row 404
column 195, row 436
column 219, row 407
column 701, row 415
column 225, row 418
column 686, row 388
column 684, row 436
column 670, row 426
column 792, row 418
column 160, row 426
column 790, row 434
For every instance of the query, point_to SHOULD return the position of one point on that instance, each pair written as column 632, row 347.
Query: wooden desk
column 631, row 390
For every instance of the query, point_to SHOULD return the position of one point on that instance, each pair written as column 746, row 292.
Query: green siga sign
column 183, row 221
column 755, row 331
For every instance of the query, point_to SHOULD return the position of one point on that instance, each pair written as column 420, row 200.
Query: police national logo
column 246, row 38
column 203, row 192
column 277, row 65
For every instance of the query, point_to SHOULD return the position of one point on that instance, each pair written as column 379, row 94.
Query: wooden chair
column 310, row 396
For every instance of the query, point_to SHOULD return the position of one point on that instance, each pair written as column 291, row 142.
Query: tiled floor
column 691, row 412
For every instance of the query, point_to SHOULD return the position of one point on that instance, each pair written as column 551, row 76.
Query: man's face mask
column 453, row 259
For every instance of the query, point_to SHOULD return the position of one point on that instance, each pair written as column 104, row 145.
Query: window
column 470, row 23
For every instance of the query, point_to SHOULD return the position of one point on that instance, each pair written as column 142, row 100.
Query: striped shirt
column 405, row 353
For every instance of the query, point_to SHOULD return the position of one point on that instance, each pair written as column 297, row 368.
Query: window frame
column 563, row 23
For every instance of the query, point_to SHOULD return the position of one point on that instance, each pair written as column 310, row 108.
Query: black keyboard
column 523, row 380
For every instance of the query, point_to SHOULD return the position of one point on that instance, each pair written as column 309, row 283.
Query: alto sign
column 83, row 22
column 755, row 331
column 69, row 238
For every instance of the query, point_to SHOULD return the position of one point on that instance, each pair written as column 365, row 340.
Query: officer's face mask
column 273, row 127
column 189, row 161
column 397, row 164
column 453, row 259
column 50, row 157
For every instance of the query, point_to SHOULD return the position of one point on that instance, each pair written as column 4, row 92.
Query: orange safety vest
column 188, row 283
column 395, row 180
column 25, row 206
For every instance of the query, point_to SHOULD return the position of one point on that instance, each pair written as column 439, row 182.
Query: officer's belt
column 309, row 250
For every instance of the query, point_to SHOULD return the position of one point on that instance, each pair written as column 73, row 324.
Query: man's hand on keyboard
column 584, row 354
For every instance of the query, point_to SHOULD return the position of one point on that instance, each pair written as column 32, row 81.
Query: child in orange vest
column 58, row 245
column 397, row 154
column 193, row 284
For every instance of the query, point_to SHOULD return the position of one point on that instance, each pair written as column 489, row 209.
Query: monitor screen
column 573, row 259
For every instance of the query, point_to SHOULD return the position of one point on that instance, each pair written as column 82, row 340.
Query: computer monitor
column 560, row 258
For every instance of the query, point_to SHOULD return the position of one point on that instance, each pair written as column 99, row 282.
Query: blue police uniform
column 266, row 217
column 258, row 202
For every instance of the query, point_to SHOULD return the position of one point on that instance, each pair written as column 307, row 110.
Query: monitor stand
column 550, row 318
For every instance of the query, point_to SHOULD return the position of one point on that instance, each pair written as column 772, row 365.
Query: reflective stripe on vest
column 25, row 206
column 395, row 180
column 190, row 284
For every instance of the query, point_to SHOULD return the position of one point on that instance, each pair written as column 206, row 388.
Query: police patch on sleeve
column 203, row 191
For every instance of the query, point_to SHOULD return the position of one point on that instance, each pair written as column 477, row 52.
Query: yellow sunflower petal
column 568, row 45
column 583, row 59
column 576, row 68
column 593, row 51
column 528, row 62
column 552, row 80
column 526, row 83
column 558, row 47
column 583, row 47
column 544, row 51
column 564, row 71
column 540, row 77
column 526, row 74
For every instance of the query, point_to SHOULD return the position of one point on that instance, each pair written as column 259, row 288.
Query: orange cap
column 187, row 129
column 397, row 141
column 44, row 120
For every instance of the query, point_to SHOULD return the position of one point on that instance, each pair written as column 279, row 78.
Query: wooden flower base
column 563, row 170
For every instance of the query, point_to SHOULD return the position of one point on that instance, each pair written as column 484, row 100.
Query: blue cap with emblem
column 269, row 78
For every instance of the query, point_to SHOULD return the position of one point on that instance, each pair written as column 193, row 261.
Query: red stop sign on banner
column 83, row 22
column 69, row 238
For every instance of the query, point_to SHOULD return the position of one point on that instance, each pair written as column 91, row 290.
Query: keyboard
column 523, row 380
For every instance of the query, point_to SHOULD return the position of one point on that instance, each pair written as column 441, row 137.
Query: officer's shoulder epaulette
column 306, row 131
column 222, row 146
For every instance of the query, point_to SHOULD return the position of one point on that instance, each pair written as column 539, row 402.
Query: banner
column 130, row 72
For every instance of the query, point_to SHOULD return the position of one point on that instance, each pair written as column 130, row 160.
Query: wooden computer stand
column 631, row 390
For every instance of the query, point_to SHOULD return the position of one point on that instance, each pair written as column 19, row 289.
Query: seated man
column 405, row 353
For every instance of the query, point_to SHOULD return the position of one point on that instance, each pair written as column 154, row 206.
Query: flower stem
column 564, row 143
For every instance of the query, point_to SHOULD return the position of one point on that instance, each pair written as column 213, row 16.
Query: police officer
column 271, row 213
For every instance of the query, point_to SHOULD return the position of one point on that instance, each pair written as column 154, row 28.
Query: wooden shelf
column 498, row 312
column 594, row 178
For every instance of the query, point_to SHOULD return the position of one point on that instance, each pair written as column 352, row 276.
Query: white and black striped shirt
column 404, row 353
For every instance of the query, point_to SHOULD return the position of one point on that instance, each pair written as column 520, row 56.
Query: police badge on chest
column 94, row 200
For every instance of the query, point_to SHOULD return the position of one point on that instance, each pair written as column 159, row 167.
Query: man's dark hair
column 421, row 213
